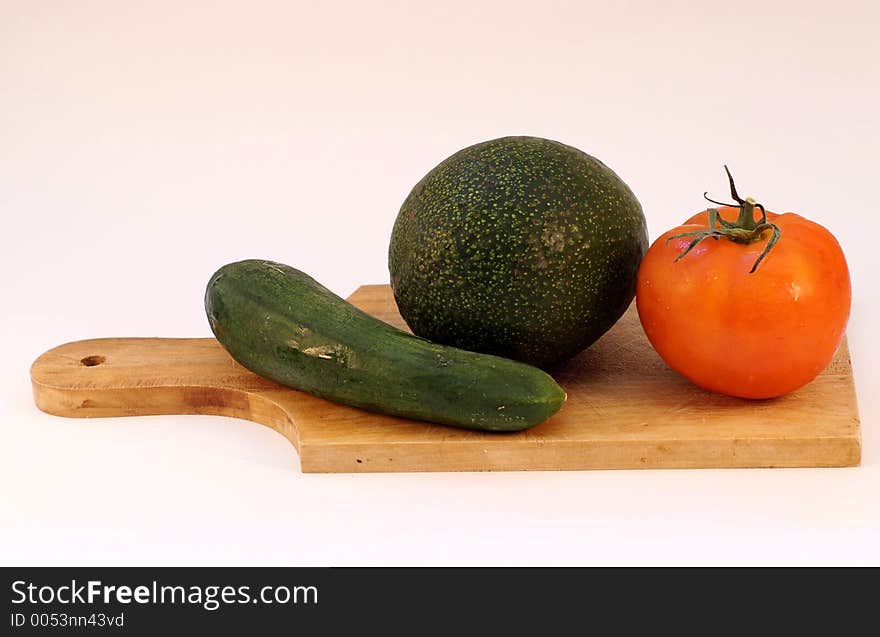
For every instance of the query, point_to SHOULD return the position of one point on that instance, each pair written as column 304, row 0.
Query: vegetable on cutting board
column 521, row 247
column 283, row 325
column 744, row 301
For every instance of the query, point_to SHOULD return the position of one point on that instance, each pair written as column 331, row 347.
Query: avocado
column 521, row 247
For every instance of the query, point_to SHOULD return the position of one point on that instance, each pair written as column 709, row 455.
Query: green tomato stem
column 744, row 230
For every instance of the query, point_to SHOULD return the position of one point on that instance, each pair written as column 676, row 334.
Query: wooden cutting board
column 625, row 409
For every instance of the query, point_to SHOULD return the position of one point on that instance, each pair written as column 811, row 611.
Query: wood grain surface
column 625, row 409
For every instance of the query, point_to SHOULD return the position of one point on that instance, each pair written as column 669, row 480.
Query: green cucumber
column 283, row 325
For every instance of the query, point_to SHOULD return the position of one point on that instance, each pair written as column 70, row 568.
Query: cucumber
column 283, row 325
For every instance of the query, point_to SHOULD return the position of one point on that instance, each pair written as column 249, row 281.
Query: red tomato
column 755, row 334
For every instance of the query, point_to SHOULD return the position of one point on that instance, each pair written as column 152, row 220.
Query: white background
column 143, row 145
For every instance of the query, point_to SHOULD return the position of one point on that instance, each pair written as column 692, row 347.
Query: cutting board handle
column 151, row 376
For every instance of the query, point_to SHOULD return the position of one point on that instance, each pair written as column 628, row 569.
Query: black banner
column 132, row 601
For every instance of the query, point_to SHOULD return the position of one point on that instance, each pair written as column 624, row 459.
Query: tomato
column 734, row 323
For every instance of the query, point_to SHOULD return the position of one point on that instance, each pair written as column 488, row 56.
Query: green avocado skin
column 521, row 247
column 283, row 325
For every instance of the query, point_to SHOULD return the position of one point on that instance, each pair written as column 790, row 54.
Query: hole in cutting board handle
column 91, row 361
